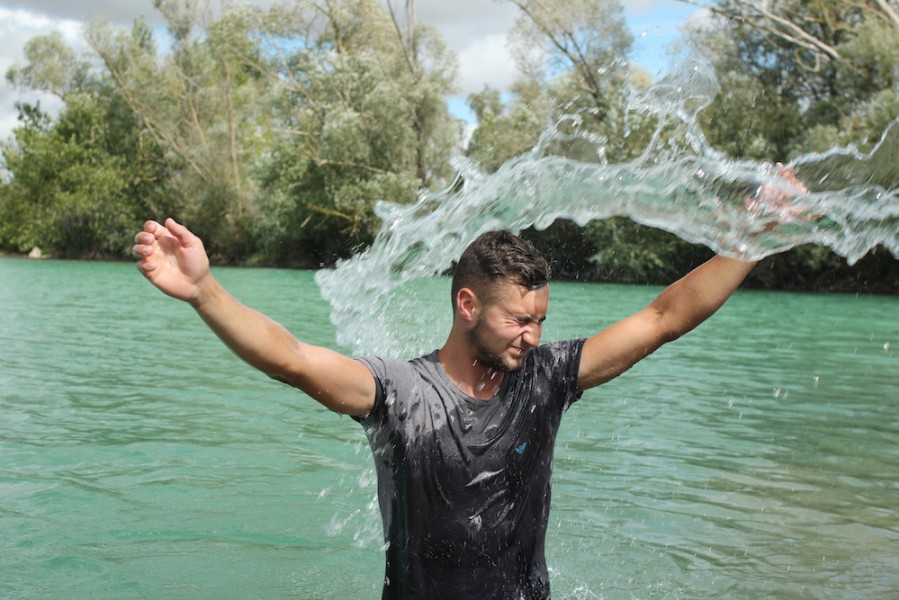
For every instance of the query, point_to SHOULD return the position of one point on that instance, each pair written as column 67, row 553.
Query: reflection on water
column 755, row 458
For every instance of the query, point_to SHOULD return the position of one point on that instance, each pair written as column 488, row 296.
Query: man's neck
column 471, row 377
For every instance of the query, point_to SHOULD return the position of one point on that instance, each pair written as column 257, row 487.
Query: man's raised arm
column 681, row 307
column 175, row 261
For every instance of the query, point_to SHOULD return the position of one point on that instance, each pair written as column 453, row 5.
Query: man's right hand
column 172, row 258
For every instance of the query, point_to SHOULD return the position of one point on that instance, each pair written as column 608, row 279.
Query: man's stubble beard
column 484, row 357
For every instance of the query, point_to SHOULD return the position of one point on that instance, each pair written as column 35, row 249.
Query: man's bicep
column 616, row 349
column 339, row 382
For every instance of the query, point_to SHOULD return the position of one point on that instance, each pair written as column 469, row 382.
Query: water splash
column 679, row 184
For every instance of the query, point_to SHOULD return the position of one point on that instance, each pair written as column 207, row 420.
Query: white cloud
column 8, row 121
column 16, row 28
column 55, row 10
column 474, row 29
column 643, row 6
column 486, row 61
column 461, row 22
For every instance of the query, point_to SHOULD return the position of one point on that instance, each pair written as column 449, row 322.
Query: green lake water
column 758, row 457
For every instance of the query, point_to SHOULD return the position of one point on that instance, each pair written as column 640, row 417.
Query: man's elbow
column 666, row 325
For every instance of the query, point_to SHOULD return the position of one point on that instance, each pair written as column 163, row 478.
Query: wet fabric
column 464, row 484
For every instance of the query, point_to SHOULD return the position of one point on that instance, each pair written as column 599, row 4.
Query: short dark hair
column 499, row 257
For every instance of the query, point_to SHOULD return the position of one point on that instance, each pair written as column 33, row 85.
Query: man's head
column 495, row 258
column 500, row 298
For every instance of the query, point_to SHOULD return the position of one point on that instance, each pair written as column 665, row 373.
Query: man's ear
column 467, row 304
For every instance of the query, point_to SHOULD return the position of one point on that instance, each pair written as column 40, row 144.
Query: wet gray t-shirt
column 464, row 484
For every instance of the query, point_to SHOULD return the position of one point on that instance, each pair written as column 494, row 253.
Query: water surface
column 758, row 457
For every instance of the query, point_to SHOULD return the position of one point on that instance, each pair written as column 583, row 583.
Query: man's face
column 508, row 326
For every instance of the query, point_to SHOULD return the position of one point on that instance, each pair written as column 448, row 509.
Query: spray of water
column 679, row 183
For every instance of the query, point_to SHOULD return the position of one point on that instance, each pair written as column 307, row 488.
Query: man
column 462, row 438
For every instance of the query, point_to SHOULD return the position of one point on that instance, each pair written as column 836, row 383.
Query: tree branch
column 891, row 13
column 773, row 24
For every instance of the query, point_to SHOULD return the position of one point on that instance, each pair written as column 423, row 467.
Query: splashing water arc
column 679, row 184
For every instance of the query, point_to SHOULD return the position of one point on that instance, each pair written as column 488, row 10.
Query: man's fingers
column 154, row 228
column 789, row 175
column 146, row 266
column 146, row 243
column 178, row 230
column 185, row 236
column 144, row 238
column 142, row 250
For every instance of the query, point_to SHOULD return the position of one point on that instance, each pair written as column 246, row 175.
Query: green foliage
column 273, row 132
column 863, row 127
column 364, row 119
column 69, row 194
column 201, row 109
column 799, row 77
column 504, row 132
column 785, row 93
column 574, row 74
column 52, row 66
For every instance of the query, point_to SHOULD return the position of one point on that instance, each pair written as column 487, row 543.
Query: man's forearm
column 695, row 297
column 254, row 337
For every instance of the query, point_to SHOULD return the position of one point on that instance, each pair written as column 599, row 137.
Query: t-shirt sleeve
column 567, row 356
column 378, row 368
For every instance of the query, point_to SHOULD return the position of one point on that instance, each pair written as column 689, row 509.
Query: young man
column 463, row 437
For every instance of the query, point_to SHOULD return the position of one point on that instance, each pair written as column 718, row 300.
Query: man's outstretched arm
column 680, row 308
column 174, row 260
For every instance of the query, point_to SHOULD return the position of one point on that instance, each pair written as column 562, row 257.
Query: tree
column 202, row 108
column 70, row 193
column 50, row 66
column 587, row 38
column 795, row 74
column 571, row 100
column 799, row 77
column 506, row 130
column 814, row 30
column 362, row 115
column 79, row 183
column 432, row 70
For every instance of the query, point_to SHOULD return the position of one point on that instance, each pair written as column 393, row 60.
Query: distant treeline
column 272, row 132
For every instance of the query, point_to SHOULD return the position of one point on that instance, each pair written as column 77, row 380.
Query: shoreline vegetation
column 877, row 273
column 272, row 131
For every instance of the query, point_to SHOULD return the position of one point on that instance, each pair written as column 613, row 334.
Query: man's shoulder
column 559, row 350
column 380, row 365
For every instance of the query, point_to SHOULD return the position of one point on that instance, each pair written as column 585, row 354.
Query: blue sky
column 474, row 29
column 655, row 25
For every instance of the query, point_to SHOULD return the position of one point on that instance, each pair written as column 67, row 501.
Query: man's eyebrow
column 524, row 317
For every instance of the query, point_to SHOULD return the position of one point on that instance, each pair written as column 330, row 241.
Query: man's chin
column 499, row 363
column 513, row 364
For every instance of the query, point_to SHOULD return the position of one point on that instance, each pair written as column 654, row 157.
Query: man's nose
column 531, row 335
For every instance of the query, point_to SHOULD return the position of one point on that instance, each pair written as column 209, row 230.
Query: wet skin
column 508, row 327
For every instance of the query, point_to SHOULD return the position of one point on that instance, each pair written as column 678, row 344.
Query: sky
column 474, row 29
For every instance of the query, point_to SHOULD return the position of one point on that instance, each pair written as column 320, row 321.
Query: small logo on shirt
column 520, row 449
